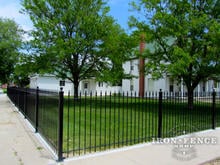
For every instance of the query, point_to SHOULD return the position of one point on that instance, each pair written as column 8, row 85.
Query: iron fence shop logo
column 184, row 147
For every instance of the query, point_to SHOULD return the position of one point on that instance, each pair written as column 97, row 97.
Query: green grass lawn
column 95, row 124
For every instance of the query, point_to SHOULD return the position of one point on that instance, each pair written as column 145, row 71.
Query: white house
column 142, row 83
column 50, row 82
column 166, row 83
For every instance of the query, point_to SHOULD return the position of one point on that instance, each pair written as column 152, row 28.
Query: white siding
column 105, row 88
column 150, row 84
column 125, row 85
column 50, row 83
column 131, row 67
column 88, row 86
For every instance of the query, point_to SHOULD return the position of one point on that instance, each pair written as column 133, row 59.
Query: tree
column 23, row 69
column 10, row 43
column 185, row 35
column 121, row 49
column 75, row 39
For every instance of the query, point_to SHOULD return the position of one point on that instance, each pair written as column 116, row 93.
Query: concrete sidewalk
column 21, row 146
column 160, row 154
column 18, row 143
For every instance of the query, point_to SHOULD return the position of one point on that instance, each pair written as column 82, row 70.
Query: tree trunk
column 190, row 98
column 76, row 86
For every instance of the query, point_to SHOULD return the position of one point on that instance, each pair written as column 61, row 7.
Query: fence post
column 18, row 99
column 213, row 109
column 60, row 126
column 36, row 109
column 160, row 114
column 25, row 103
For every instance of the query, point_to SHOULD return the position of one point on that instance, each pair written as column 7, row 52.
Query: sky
column 119, row 9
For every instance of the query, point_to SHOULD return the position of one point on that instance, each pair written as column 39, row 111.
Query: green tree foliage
column 23, row 69
column 77, row 39
column 10, row 43
column 185, row 35
column 28, row 64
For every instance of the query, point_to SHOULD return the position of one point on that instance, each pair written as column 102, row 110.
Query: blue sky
column 10, row 9
column 120, row 11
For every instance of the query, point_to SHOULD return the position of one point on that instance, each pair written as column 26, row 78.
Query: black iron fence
column 95, row 122
column 41, row 109
column 101, row 122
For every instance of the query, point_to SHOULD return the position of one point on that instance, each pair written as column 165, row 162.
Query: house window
column 131, row 66
column 203, row 87
column 171, row 85
column 171, row 88
column 215, row 84
column 85, row 85
column 62, row 83
column 131, row 85
column 100, row 84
